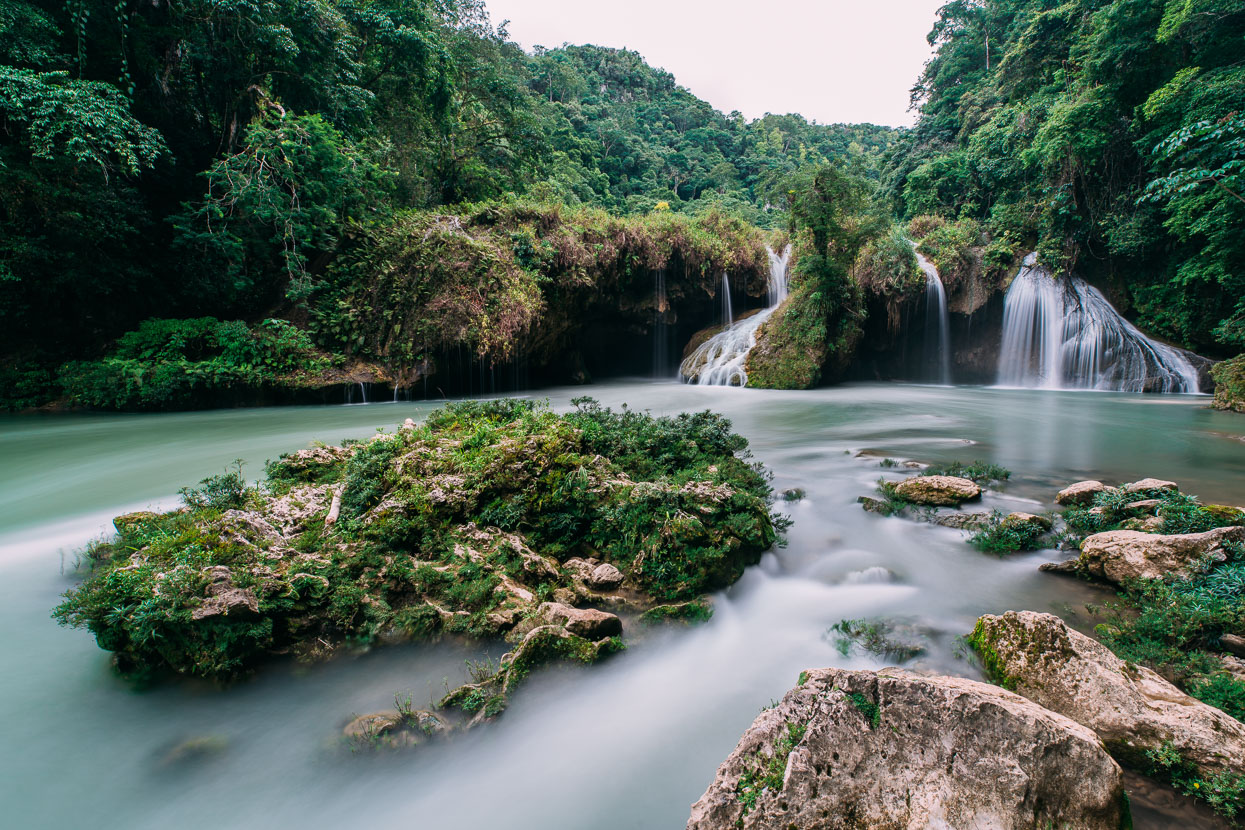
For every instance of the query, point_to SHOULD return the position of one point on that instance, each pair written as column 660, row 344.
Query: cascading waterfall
column 1064, row 334
column 728, row 314
column 937, row 325
column 720, row 360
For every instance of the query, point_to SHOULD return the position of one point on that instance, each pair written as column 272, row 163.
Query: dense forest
column 204, row 195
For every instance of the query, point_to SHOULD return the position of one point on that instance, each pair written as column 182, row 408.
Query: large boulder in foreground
column 892, row 749
column 938, row 491
column 1130, row 707
column 1120, row 555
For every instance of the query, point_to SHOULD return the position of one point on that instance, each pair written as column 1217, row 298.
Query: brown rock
column 1233, row 644
column 1130, row 707
column 1120, row 555
column 894, row 750
column 1151, row 484
column 938, row 491
column 1147, row 505
column 605, row 577
column 1082, row 492
column 588, row 623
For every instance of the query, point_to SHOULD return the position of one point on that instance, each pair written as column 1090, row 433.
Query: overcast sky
column 832, row 61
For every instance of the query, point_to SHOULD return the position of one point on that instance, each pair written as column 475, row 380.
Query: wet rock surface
column 938, row 491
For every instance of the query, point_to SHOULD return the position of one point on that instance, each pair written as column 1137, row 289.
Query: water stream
column 627, row 744
column 1064, row 334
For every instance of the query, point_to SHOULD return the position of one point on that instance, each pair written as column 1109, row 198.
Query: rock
column 1120, row 555
column 1026, row 520
column 1145, row 505
column 198, row 748
column 1151, row 484
column 127, row 521
column 1130, row 707
column 893, row 749
column 1234, row 666
column 1068, row 566
column 565, row 596
column 962, row 521
column 1081, row 493
column 373, row 725
column 605, row 577
column 872, row 505
column 1233, row 644
column 227, row 601
column 1224, row 513
column 588, row 623
column 1150, row 524
column 938, row 491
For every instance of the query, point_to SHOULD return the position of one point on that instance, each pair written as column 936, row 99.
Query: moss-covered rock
column 464, row 524
column 1229, row 377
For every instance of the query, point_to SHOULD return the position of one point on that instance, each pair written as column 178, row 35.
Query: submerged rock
column 892, row 749
column 1081, row 493
column 1026, row 520
column 1120, row 555
column 1130, row 707
column 962, row 521
column 938, row 491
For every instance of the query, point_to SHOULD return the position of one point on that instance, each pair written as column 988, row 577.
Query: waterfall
column 363, row 391
column 728, row 316
column 1064, row 334
column 937, row 325
column 661, row 330
column 720, row 360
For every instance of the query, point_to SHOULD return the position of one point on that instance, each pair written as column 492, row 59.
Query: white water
column 720, row 360
column 1064, row 334
column 728, row 313
column 937, row 324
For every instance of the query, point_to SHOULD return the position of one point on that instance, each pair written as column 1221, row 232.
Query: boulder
column 872, row 505
column 963, row 521
column 1233, row 644
column 1081, row 493
column 227, row 601
column 588, row 623
column 604, row 577
column 1120, row 555
column 128, row 520
column 1146, row 484
column 893, row 749
column 1130, row 707
column 938, row 491
column 1026, row 520
column 373, row 725
column 1149, row 524
column 1144, row 505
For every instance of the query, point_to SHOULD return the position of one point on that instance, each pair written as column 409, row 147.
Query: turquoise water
column 627, row 744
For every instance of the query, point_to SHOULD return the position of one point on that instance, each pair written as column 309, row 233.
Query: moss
column 992, row 663
column 768, row 772
column 693, row 612
column 866, row 707
column 1229, row 377
column 460, row 525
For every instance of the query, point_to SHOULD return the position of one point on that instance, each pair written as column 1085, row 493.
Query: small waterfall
column 720, row 360
column 661, row 330
column 937, row 325
column 363, row 391
column 728, row 315
column 1064, row 334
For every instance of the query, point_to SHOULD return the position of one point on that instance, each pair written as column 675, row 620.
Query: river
column 630, row 743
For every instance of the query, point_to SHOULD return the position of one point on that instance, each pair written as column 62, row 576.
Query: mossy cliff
column 483, row 521
column 1229, row 377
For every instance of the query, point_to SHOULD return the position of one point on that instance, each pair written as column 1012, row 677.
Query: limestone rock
column 605, row 577
column 373, row 725
column 1225, row 514
column 1120, row 555
column 128, row 520
column 938, row 491
column 963, row 521
column 1081, row 493
column 1151, row 484
column 224, row 599
column 1144, row 505
column 893, row 749
column 1149, row 524
column 1130, row 707
column 872, row 505
column 1233, row 644
column 588, row 623
column 1026, row 520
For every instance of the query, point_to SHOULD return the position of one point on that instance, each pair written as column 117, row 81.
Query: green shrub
column 1001, row 536
column 1229, row 377
column 981, row 472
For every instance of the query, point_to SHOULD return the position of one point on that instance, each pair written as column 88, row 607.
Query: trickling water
column 363, row 391
column 720, row 360
column 728, row 314
column 937, row 324
column 661, row 330
column 1064, row 334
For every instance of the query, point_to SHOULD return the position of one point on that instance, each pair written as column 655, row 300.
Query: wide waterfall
column 720, row 360
column 937, row 354
column 1064, row 334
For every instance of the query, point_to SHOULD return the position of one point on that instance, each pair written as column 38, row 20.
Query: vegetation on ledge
column 1229, row 377
column 483, row 521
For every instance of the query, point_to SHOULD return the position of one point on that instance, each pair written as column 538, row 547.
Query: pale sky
column 831, row 61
